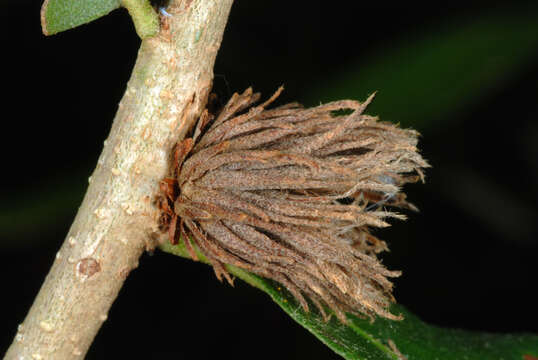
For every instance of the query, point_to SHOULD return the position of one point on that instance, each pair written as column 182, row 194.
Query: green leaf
column 429, row 79
column 61, row 15
column 412, row 338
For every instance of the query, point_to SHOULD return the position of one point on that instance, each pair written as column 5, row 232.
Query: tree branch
column 167, row 91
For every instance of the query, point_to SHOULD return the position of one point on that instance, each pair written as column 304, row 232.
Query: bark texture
column 167, row 92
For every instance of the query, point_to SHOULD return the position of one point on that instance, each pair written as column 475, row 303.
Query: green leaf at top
column 61, row 15
column 409, row 339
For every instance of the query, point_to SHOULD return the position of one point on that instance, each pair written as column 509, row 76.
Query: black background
column 468, row 258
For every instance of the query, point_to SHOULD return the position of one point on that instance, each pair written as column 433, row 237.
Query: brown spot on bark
column 124, row 273
column 88, row 267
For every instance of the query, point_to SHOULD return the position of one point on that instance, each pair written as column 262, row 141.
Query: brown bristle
column 290, row 194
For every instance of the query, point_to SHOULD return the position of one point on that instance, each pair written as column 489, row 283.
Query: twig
column 167, row 91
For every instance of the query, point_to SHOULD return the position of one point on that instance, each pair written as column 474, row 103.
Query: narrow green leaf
column 412, row 338
column 61, row 15
column 433, row 76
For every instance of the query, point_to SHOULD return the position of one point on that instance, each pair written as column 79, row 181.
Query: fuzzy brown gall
column 291, row 194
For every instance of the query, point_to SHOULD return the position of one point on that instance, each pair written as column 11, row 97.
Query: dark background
column 465, row 74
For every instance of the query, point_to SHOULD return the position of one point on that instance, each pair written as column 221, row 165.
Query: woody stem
column 167, row 91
